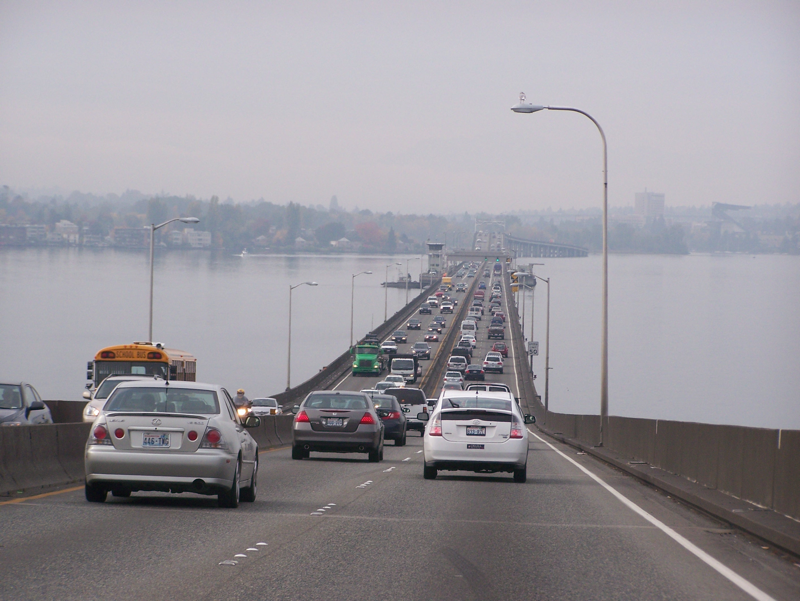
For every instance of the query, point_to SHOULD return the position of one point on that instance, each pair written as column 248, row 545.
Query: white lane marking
column 418, row 452
column 251, row 549
column 332, row 504
column 317, row 513
column 261, row 544
column 725, row 571
column 407, row 459
column 322, row 509
column 228, row 562
column 240, row 555
column 390, row 469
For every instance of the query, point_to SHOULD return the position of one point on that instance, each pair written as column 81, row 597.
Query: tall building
column 649, row 205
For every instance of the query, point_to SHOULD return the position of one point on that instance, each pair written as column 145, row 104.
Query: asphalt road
column 335, row 527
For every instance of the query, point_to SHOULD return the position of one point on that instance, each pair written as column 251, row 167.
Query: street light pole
column 153, row 228
column 289, row 349
column 386, row 292
column 526, row 107
column 353, row 300
column 547, row 349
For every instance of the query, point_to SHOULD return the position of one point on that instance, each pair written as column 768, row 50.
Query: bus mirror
column 87, row 395
column 90, row 365
column 89, row 375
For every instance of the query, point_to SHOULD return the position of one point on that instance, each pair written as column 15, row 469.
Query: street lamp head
column 526, row 107
column 311, row 283
column 189, row 220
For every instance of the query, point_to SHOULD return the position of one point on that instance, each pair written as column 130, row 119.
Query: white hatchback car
column 476, row 431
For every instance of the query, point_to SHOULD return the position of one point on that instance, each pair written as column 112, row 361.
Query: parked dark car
column 474, row 372
column 21, row 405
column 337, row 422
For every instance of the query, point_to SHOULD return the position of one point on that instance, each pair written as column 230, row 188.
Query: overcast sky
column 404, row 106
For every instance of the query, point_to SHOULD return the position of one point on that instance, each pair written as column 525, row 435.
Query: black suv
column 425, row 309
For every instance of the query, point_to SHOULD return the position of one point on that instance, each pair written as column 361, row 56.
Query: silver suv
column 456, row 363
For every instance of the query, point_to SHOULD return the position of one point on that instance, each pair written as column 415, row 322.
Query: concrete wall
column 755, row 464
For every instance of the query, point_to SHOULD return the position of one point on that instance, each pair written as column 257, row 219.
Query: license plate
column 335, row 421
column 155, row 441
column 476, row 430
column 475, row 446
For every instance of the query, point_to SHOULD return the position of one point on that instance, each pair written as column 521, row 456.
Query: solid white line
column 743, row 584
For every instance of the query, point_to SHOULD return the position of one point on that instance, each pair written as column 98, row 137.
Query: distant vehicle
column 389, row 347
column 332, row 421
column 265, row 406
column 395, row 420
column 456, row 363
column 400, row 336
column 142, row 359
column 431, row 337
column 97, row 398
column 413, row 402
column 452, row 386
column 440, row 319
column 425, row 309
column 492, row 387
column 395, row 380
column 21, row 405
column 496, row 332
column 405, row 366
column 493, row 362
column 474, row 372
column 498, row 268
column 421, row 350
column 500, row 347
column 368, row 359
column 202, row 447
column 435, row 326
column 454, row 376
column 414, row 324
column 447, row 307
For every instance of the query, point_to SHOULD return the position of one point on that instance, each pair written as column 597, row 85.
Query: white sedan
column 476, row 431
column 454, row 376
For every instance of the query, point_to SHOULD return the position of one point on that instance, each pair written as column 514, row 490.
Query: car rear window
column 476, row 402
column 163, row 400
column 336, row 401
column 385, row 401
column 407, row 396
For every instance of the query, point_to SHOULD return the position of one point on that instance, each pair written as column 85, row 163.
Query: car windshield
column 421, row 345
column 164, row 400
column 476, row 402
column 107, row 387
column 336, row 401
column 403, row 364
column 399, row 333
column 265, row 403
column 10, row 397
column 366, row 350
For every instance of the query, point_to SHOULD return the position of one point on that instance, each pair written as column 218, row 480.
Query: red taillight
column 192, row 435
column 213, row 436
column 100, row 433
column 392, row 415
column 302, row 417
column 516, row 429
column 108, row 355
column 367, row 419
column 119, row 432
column 436, row 427
column 154, row 355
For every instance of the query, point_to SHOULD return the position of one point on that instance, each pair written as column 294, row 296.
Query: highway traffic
column 336, row 526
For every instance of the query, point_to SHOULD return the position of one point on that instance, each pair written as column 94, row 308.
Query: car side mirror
column 36, row 406
column 251, row 421
column 516, row 398
column 87, row 395
column 295, row 408
column 529, row 419
column 423, row 417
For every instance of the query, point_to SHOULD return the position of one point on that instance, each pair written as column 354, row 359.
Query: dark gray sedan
column 337, row 422
column 21, row 405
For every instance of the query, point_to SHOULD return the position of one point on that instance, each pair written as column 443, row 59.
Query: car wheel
column 298, row 452
column 400, row 442
column 374, row 456
column 248, row 495
column 429, row 473
column 95, row 494
column 521, row 474
column 230, row 498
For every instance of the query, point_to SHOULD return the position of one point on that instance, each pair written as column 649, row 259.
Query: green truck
column 368, row 358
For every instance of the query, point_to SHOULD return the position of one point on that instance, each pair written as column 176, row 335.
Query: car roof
column 150, row 383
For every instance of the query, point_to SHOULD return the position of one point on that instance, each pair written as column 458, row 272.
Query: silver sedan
column 171, row 437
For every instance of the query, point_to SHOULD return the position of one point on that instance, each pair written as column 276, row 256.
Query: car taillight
column 516, row 428
column 212, row 440
column 302, row 417
column 435, row 427
column 119, row 432
column 100, row 436
column 192, row 435
column 367, row 419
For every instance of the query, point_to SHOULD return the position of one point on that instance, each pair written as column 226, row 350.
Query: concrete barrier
column 66, row 412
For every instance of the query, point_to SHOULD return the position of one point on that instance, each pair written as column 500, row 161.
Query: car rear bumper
column 205, row 471
column 361, row 440
column 497, row 457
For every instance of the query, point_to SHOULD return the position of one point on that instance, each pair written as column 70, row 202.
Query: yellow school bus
column 141, row 358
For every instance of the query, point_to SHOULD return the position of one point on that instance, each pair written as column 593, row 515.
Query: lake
column 708, row 338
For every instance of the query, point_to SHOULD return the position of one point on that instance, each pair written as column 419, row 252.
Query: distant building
column 649, row 205
column 35, row 234
column 12, row 235
column 198, row 239
column 131, row 237
column 436, row 257
column 68, row 231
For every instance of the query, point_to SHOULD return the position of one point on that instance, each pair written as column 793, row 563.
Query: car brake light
column 100, row 436
column 302, row 417
column 192, row 435
column 516, row 428
column 393, row 415
column 119, row 432
column 213, row 440
column 436, row 428
column 367, row 419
